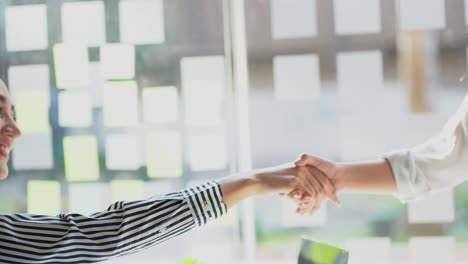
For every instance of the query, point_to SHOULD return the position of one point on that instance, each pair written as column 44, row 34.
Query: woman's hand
column 296, row 181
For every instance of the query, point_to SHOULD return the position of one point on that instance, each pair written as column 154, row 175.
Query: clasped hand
column 308, row 182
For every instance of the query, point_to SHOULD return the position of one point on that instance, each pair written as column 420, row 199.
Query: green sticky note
column 127, row 190
column 120, row 104
column 44, row 197
column 81, row 158
column 71, row 65
column 314, row 252
column 32, row 111
column 164, row 155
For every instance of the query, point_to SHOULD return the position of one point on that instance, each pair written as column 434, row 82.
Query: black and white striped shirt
column 124, row 228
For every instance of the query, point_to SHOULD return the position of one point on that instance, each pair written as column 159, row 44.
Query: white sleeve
column 439, row 163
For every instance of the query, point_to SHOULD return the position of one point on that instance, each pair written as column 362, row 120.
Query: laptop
column 315, row 252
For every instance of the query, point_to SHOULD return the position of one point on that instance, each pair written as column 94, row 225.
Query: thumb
column 310, row 160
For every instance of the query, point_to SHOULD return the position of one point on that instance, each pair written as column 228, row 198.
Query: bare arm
column 372, row 176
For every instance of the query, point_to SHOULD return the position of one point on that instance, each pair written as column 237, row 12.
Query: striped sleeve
column 124, row 228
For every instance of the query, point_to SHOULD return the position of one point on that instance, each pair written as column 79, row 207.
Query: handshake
column 308, row 182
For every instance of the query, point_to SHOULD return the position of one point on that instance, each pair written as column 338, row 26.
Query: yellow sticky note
column 32, row 111
column 127, row 190
column 81, row 158
column 44, row 197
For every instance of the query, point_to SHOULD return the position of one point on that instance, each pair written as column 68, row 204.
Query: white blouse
column 439, row 163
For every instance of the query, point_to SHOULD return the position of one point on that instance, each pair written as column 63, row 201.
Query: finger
column 295, row 194
column 306, row 196
column 316, row 207
column 326, row 184
column 306, row 159
column 309, row 207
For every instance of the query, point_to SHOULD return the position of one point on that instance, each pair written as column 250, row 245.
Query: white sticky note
column 118, row 61
column 435, row 208
column 44, row 197
column 35, row 77
column 88, row 198
column 127, row 190
column 83, row 22
column 164, row 155
column 359, row 73
column 120, row 104
column 75, row 108
column 81, row 158
column 141, row 21
column 289, row 218
column 122, row 152
column 357, row 17
column 293, row 19
column 207, row 152
column 203, row 87
column 422, row 14
column 296, row 77
column 369, row 250
column 33, row 152
column 71, row 65
column 160, row 104
column 26, row 27
column 432, row 250
column 362, row 137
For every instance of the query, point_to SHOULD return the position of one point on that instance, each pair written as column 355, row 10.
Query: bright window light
column 83, row 22
column 160, row 104
column 293, row 19
column 296, row 77
column 96, row 83
column 120, row 104
column 207, row 152
column 362, row 137
column 141, row 21
column 81, row 158
column 422, row 14
column 432, row 250
column 33, row 151
column 436, row 208
column 203, row 83
column 32, row 111
column 71, row 65
column 28, row 77
column 359, row 73
column 44, row 197
column 127, row 190
column 369, row 250
column 75, row 109
column 164, row 155
column 88, row 198
column 118, row 61
column 122, row 152
column 357, row 17
column 26, row 27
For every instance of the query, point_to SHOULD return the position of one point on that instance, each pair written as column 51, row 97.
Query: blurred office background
column 126, row 99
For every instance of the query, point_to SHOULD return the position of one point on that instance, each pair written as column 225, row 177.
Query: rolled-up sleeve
column 438, row 164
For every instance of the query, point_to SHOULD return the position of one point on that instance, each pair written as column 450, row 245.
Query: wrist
column 343, row 177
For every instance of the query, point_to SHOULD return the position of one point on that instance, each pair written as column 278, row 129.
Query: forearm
column 239, row 187
column 372, row 176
